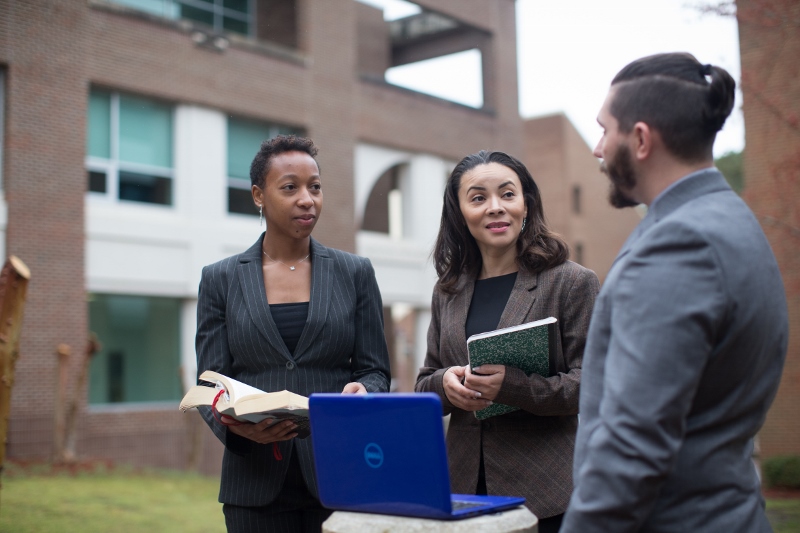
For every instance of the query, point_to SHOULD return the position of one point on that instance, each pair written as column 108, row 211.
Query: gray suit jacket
column 684, row 356
column 343, row 341
column 528, row 452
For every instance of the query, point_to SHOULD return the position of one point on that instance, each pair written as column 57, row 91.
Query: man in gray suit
column 689, row 332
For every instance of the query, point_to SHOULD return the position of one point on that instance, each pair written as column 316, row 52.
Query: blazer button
column 487, row 425
column 290, row 365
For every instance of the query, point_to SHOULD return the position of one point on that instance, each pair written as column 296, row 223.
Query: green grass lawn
column 98, row 499
column 784, row 515
column 101, row 501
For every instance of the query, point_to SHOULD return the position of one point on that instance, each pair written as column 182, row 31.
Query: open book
column 527, row 347
column 246, row 403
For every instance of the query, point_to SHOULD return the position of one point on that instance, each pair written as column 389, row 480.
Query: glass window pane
column 236, row 5
column 198, row 15
column 99, row 124
column 145, row 131
column 140, row 355
column 162, row 8
column 97, row 181
column 244, row 140
column 241, row 201
column 145, row 188
column 237, row 26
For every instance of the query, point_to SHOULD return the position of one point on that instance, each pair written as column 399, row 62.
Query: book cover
column 526, row 346
column 247, row 403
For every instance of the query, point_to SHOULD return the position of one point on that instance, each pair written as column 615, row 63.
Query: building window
column 576, row 199
column 129, row 148
column 140, row 355
column 244, row 140
column 219, row 15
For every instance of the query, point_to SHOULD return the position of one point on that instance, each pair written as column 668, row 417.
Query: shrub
column 782, row 471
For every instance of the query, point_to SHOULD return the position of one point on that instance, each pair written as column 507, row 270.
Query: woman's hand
column 460, row 395
column 266, row 431
column 354, row 387
column 486, row 380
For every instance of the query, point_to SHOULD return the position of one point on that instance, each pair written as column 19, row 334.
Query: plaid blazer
column 343, row 341
column 528, row 452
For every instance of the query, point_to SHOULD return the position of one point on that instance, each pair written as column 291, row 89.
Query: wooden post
column 194, row 426
column 70, row 431
column 13, row 287
column 63, row 352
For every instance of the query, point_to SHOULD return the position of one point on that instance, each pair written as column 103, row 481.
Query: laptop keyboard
column 458, row 505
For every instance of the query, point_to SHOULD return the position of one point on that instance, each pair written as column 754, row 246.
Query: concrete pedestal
column 513, row 521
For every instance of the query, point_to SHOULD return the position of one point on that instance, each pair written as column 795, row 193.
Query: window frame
column 219, row 12
column 113, row 165
column 216, row 8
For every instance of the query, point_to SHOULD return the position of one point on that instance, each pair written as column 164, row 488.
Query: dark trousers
column 295, row 509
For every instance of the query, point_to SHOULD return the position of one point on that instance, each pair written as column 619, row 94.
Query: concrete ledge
column 513, row 521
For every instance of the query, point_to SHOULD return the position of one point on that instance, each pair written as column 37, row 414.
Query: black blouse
column 290, row 319
column 488, row 302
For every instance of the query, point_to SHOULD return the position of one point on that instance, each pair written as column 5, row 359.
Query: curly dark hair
column 279, row 144
column 456, row 253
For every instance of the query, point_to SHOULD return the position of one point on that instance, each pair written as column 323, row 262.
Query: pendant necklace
column 284, row 264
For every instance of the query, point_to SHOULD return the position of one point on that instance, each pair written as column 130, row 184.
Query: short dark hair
column 672, row 94
column 456, row 253
column 279, row 144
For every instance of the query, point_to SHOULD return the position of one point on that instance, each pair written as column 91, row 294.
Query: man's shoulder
column 716, row 217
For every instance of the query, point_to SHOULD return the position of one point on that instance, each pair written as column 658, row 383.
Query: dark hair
column 456, row 253
column 672, row 94
column 279, row 144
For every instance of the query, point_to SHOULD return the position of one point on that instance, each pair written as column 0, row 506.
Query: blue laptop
column 385, row 453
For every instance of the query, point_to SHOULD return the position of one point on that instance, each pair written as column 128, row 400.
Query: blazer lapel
column 454, row 320
column 321, row 283
column 251, row 281
column 520, row 301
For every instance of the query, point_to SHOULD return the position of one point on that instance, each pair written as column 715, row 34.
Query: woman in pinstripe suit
column 289, row 313
column 499, row 265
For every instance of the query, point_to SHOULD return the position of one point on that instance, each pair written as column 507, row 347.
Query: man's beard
column 623, row 177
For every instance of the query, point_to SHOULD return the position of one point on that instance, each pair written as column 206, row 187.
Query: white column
column 422, row 187
column 188, row 327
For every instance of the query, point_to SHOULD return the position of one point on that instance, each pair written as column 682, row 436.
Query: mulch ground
column 782, row 494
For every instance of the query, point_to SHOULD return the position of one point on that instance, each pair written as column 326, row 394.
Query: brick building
column 127, row 130
column 769, row 41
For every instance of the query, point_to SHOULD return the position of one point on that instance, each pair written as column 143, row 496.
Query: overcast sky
column 569, row 50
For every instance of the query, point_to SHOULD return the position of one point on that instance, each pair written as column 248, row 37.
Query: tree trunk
column 13, row 286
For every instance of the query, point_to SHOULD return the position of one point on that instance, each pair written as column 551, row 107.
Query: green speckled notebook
column 527, row 347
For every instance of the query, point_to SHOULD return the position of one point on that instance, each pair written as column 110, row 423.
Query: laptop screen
column 381, row 453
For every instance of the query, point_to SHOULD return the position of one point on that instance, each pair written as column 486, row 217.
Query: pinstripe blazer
column 528, row 452
column 343, row 341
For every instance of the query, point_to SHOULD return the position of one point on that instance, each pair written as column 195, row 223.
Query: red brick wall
column 769, row 40
column 54, row 50
column 44, row 185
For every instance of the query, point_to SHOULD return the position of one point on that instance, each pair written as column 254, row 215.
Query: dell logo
column 373, row 455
